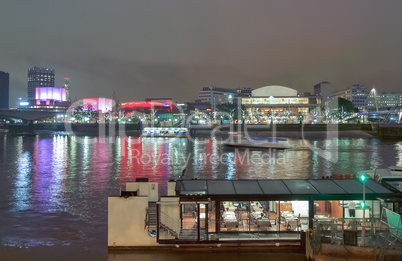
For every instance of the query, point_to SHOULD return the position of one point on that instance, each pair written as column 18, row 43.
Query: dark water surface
column 54, row 188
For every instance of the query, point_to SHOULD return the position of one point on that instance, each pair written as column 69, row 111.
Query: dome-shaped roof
column 274, row 90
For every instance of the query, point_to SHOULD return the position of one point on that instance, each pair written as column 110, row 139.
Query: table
column 229, row 216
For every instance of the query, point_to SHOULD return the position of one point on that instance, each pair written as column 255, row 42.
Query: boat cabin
column 244, row 210
column 241, row 211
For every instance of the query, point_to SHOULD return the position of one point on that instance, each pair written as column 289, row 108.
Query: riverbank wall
column 389, row 131
column 382, row 131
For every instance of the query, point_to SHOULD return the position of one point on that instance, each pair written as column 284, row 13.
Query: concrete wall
column 390, row 131
column 126, row 222
column 171, row 189
column 149, row 189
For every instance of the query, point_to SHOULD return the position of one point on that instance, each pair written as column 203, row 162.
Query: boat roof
column 394, row 182
column 317, row 189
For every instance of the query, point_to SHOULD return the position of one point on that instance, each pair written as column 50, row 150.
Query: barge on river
column 242, row 212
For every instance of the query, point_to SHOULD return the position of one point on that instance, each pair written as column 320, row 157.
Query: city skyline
column 138, row 49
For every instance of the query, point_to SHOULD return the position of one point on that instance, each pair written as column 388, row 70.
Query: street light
column 363, row 178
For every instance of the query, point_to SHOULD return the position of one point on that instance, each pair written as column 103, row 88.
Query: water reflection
column 49, row 167
column 398, row 148
column 23, row 182
column 68, row 182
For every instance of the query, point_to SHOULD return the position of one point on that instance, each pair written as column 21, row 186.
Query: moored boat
column 379, row 174
column 164, row 132
column 258, row 144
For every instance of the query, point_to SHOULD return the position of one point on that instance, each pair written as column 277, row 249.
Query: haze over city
column 172, row 48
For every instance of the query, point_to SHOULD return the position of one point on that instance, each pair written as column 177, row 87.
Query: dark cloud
column 172, row 48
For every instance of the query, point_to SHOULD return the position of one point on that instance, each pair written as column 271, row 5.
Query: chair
column 293, row 224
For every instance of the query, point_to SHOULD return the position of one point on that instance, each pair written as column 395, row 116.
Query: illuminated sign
column 24, row 103
column 272, row 100
column 50, row 93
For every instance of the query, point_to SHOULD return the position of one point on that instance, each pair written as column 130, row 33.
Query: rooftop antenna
column 67, row 86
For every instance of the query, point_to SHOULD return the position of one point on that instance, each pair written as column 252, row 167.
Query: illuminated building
column 384, row 101
column 279, row 103
column 157, row 104
column 4, row 90
column 50, row 96
column 167, row 103
column 161, row 110
column 98, row 104
column 39, row 77
column 50, row 93
column 214, row 96
column 357, row 94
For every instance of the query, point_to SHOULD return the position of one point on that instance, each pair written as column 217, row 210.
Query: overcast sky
column 169, row 48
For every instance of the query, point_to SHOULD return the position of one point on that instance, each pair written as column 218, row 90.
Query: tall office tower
column 67, row 88
column 39, row 77
column 4, row 90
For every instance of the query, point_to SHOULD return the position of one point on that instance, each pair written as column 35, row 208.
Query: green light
column 363, row 205
column 363, row 177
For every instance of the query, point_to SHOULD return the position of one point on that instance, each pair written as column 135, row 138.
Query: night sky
column 168, row 48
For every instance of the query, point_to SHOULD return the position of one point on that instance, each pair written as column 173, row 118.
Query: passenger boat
column 164, row 132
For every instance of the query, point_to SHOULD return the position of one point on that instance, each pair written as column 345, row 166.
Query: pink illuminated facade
column 50, row 93
column 98, row 104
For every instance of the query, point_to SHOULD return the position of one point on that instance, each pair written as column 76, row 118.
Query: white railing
column 170, row 223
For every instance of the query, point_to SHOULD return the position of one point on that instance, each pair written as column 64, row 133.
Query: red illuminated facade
column 162, row 105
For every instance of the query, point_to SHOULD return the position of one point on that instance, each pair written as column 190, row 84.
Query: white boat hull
column 265, row 145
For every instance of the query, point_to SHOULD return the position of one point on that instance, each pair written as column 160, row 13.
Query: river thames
column 54, row 187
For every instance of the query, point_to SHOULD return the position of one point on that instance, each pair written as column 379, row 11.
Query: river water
column 54, row 188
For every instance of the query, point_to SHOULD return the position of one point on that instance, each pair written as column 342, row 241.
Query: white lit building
column 278, row 103
column 384, row 101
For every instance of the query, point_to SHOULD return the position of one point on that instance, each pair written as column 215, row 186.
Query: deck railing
column 385, row 232
column 172, row 225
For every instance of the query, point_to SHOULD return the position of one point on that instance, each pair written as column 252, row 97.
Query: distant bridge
column 386, row 113
column 29, row 114
column 397, row 111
